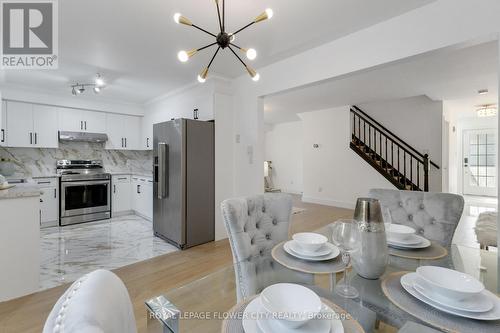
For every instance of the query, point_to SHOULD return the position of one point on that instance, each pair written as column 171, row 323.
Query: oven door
column 86, row 197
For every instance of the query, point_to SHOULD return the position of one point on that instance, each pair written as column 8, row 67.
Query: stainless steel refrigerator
column 184, row 185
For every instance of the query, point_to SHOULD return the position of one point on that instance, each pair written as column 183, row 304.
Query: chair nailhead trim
column 62, row 310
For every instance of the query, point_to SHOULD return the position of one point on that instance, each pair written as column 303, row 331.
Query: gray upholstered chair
column 255, row 225
column 433, row 215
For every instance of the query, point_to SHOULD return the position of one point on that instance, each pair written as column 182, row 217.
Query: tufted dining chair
column 433, row 215
column 255, row 225
column 96, row 303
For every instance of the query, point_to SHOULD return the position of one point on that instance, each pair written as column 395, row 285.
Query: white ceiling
column 443, row 75
column 134, row 43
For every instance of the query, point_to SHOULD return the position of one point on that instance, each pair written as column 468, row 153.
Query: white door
column 20, row 124
column 479, row 162
column 115, row 130
column 3, row 124
column 94, row 122
column 49, row 205
column 122, row 196
column 70, row 120
column 45, row 126
column 132, row 132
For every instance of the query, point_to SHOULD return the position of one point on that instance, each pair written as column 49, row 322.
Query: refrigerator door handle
column 162, row 170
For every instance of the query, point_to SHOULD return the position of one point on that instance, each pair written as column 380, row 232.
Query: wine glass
column 345, row 235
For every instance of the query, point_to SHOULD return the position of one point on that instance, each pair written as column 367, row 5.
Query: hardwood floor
column 156, row 276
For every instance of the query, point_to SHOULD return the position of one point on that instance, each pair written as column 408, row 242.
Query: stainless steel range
column 85, row 191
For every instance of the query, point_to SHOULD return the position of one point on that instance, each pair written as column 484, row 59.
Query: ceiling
column 443, row 75
column 134, row 44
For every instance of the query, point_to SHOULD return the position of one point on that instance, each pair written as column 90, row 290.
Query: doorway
column 479, row 162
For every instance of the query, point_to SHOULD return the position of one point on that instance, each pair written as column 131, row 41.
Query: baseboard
column 123, row 213
column 329, row 202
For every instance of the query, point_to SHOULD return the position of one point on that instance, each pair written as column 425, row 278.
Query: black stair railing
column 400, row 163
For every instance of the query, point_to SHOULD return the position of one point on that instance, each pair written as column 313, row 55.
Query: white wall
column 447, row 23
column 284, row 148
column 333, row 173
column 417, row 121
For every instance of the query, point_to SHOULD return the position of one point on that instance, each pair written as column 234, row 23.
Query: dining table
column 210, row 303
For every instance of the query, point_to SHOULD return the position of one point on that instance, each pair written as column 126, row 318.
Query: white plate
column 477, row 303
column 408, row 280
column 333, row 254
column 412, row 240
column 254, row 310
column 423, row 244
column 323, row 251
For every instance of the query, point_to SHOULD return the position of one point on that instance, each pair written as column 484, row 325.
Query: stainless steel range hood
column 82, row 136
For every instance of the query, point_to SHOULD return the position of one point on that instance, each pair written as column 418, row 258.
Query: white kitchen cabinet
column 142, row 196
column 147, row 134
column 49, row 201
column 45, row 126
column 124, row 132
column 76, row 120
column 31, row 125
column 3, row 124
column 121, row 200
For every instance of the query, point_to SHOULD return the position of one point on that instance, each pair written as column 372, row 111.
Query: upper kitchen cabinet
column 31, row 125
column 147, row 134
column 3, row 124
column 75, row 120
column 124, row 132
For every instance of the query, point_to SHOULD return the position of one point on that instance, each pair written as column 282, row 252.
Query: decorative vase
column 371, row 257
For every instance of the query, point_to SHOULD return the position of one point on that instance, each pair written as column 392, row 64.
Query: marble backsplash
column 40, row 162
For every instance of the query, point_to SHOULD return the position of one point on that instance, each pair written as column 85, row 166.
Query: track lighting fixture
column 223, row 40
column 97, row 86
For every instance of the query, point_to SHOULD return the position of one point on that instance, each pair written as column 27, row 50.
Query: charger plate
column 391, row 286
column 433, row 252
column 234, row 322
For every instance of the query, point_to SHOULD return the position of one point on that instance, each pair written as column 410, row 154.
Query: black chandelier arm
column 205, row 47
column 246, row 26
column 223, row 16
column 201, row 29
column 236, row 46
column 237, row 56
column 218, row 15
column 212, row 60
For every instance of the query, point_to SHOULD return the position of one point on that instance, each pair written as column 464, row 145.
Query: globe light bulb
column 232, row 37
column 251, row 54
column 177, row 17
column 183, row 56
column 269, row 13
column 97, row 90
column 200, row 79
column 99, row 81
column 256, row 77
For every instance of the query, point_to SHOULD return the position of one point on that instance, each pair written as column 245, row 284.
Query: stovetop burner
column 77, row 170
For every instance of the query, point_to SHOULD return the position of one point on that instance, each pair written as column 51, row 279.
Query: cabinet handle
column 36, row 138
column 122, row 178
column 125, row 142
column 85, row 125
column 31, row 138
column 114, row 188
column 55, row 193
column 81, row 124
column 43, row 182
column 3, row 135
column 122, row 142
column 147, row 142
column 139, row 189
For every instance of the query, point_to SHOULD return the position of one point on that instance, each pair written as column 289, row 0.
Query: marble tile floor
column 69, row 252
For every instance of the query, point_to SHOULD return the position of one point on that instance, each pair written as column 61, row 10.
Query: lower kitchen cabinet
column 49, row 201
column 121, row 200
column 142, row 196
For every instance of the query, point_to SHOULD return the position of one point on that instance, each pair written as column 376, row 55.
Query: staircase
column 397, row 161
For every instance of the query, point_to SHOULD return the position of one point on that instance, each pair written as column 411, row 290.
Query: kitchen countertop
column 136, row 174
column 20, row 191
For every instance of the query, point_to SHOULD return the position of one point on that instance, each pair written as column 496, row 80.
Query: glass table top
column 204, row 303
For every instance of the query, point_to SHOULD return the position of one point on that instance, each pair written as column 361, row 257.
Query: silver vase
column 371, row 257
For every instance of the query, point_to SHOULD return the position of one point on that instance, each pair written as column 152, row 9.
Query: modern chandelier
column 223, row 40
